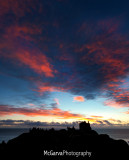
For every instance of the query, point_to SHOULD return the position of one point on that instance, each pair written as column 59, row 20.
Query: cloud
column 18, row 8
column 55, row 112
column 15, row 34
column 29, row 123
column 111, row 123
column 57, row 101
column 46, row 87
column 31, row 104
column 106, row 57
column 114, row 104
column 45, row 110
column 87, row 57
column 79, row 98
column 57, row 125
column 97, row 66
column 118, row 94
column 38, row 62
column 96, row 116
column 107, row 122
column 127, row 112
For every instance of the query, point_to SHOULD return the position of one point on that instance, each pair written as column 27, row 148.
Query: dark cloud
column 28, row 123
column 107, row 122
column 110, row 123
column 56, row 125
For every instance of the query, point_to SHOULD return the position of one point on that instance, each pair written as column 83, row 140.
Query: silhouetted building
column 85, row 127
column 71, row 129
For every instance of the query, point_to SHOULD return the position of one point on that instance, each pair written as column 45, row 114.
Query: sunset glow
column 61, row 60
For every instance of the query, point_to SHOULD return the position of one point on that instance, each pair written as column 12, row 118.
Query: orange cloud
column 79, row 98
column 96, row 116
column 120, row 94
column 110, row 66
column 38, row 62
column 47, row 88
column 127, row 112
column 112, row 60
column 35, row 60
column 55, row 112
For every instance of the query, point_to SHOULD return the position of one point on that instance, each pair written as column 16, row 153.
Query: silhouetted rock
column 39, row 143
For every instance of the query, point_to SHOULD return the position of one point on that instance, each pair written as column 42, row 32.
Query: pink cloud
column 31, row 104
column 79, row 98
column 57, row 101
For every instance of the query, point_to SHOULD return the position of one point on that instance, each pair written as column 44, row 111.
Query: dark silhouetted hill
column 37, row 142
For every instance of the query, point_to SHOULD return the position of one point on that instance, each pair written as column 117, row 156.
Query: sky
column 64, row 61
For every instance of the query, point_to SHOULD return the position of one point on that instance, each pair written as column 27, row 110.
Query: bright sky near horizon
column 64, row 61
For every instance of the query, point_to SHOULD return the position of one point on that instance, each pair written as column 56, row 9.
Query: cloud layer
column 81, row 51
column 57, row 125
column 53, row 112
column 44, row 110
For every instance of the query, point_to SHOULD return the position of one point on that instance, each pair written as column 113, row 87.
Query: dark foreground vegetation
column 84, row 143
